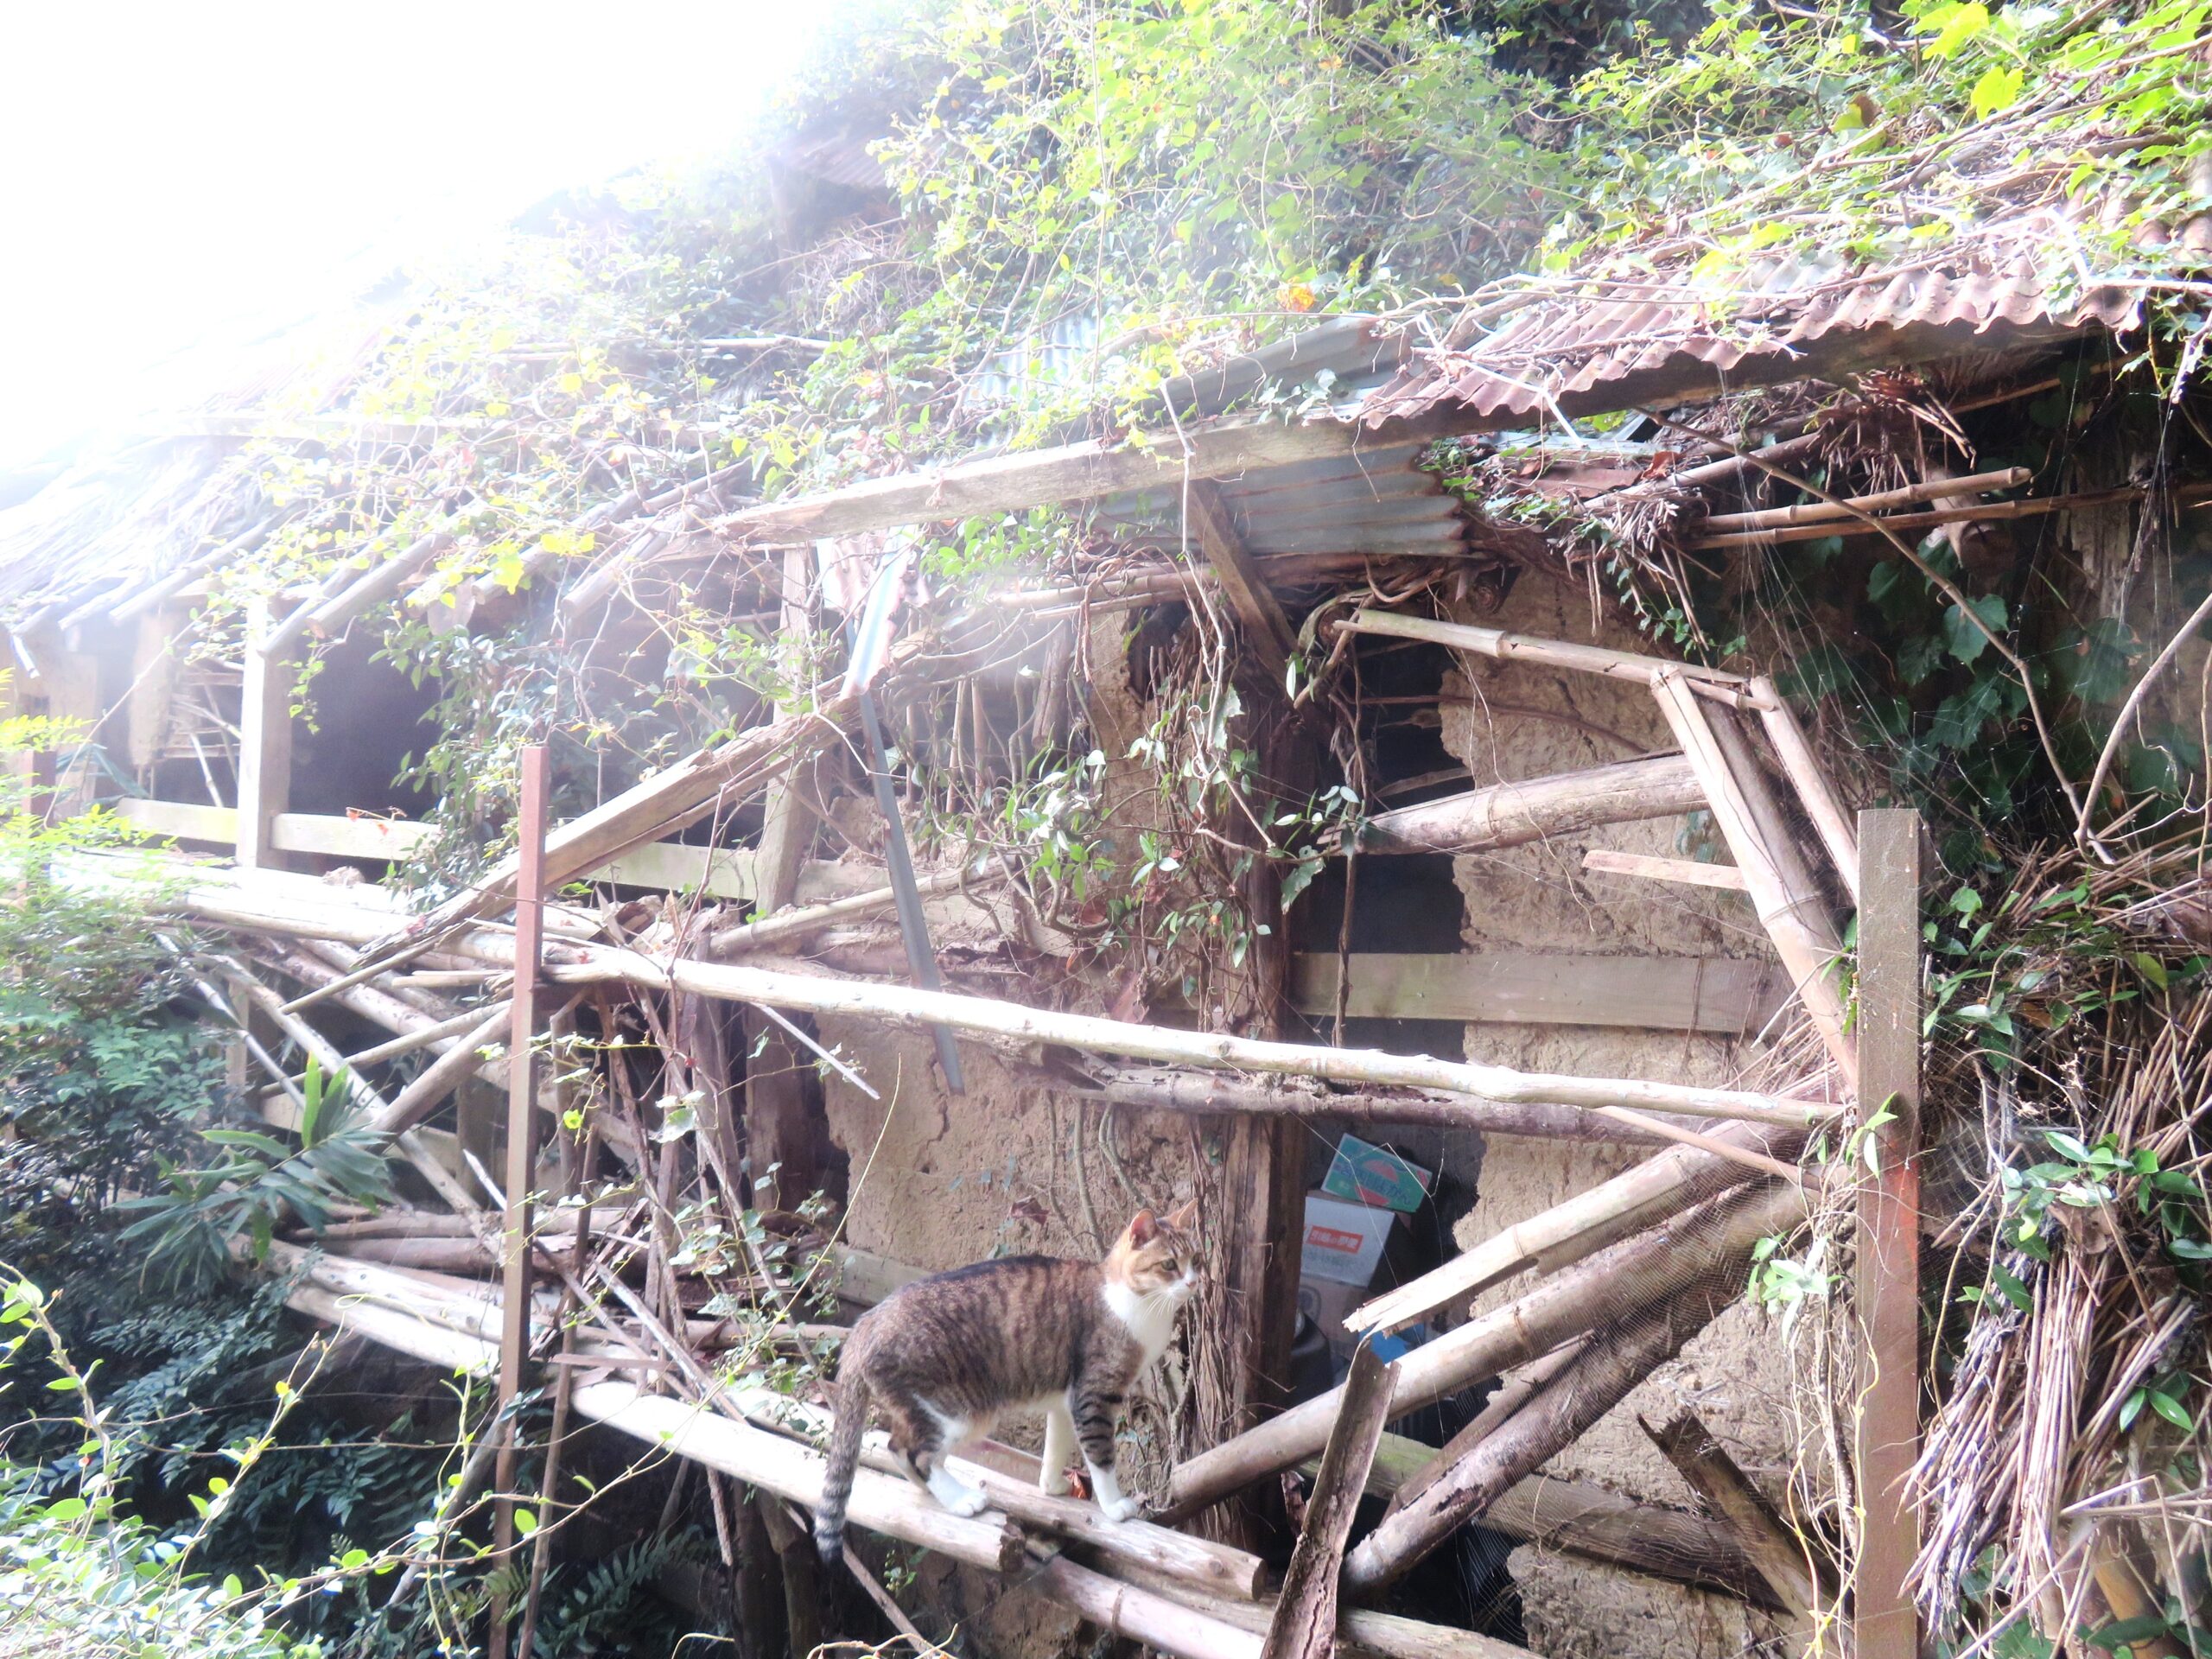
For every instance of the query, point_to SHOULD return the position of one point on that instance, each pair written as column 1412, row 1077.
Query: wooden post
column 265, row 750
column 522, row 1122
column 1887, row 1282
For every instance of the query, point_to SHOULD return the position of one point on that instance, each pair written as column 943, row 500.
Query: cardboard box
column 1375, row 1175
column 1344, row 1242
column 1327, row 1305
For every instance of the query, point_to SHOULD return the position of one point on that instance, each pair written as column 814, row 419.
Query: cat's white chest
column 1150, row 1319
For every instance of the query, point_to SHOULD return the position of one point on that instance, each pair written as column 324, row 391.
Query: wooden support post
column 522, row 1125
column 1267, row 634
column 264, row 752
column 779, row 1128
column 1305, row 1622
column 1887, row 1280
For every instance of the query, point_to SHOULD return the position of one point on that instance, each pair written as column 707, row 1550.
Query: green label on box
column 1368, row 1174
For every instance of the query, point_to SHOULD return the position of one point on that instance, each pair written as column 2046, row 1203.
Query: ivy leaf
column 1965, row 639
column 2150, row 968
column 1954, row 26
column 508, row 568
column 2015, row 1291
column 1998, row 89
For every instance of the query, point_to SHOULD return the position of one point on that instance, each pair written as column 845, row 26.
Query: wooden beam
column 1732, row 995
column 1075, row 472
column 1305, row 1622
column 1886, row 1277
column 1815, row 792
column 1690, row 872
column 1268, row 632
column 1536, row 809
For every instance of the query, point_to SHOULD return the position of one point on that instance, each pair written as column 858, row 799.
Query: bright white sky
column 175, row 177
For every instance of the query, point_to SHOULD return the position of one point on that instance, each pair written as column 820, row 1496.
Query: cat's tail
column 844, row 1458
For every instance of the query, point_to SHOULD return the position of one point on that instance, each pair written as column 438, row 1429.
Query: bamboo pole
column 903, row 1006
column 2187, row 494
column 1140, row 1615
column 1808, row 512
column 879, row 1503
column 797, row 923
column 1305, row 1622
column 1550, row 653
column 1614, row 1282
column 1536, row 809
column 379, row 583
column 1361, row 1633
column 426, row 1033
column 1211, row 1094
column 1780, row 888
column 1613, row 1362
column 1598, row 1523
column 1572, row 1230
column 1815, row 792
column 443, row 1075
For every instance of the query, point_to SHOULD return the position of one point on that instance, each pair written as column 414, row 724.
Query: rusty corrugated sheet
column 1587, row 335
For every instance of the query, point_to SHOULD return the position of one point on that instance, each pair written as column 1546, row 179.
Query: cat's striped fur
column 942, row 1358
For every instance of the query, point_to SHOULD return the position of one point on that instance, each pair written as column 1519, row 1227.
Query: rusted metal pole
column 522, row 1150
column 1886, row 1285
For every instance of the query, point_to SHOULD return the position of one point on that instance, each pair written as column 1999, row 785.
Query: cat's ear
column 1144, row 1229
column 1182, row 1218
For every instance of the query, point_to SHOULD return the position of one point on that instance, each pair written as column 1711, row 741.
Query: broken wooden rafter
column 1815, row 792
column 1041, row 477
column 1914, row 524
column 1268, row 632
column 1600, row 1376
column 1617, row 1281
column 380, row 582
column 1513, row 1390
column 1574, row 1228
column 1537, row 809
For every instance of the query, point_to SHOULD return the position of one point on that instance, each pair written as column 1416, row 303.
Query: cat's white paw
column 1054, row 1482
column 968, row 1501
column 1120, row 1508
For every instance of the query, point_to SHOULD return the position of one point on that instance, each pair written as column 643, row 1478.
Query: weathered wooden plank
column 1886, row 1278
column 265, row 782
column 1305, row 1622
column 1732, row 995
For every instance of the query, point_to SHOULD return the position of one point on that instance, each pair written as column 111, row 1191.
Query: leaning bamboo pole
column 1814, row 512
column 1614, row 1282
column 1789, row 904
column 1574, row 1228
column 1550, row 653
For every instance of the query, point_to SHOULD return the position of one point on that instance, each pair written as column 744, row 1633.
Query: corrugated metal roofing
column 1584, row 335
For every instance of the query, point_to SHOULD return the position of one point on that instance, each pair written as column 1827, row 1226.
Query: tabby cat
column 942, row 1358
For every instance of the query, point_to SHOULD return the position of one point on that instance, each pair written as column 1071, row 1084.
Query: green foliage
column 187, row 1229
